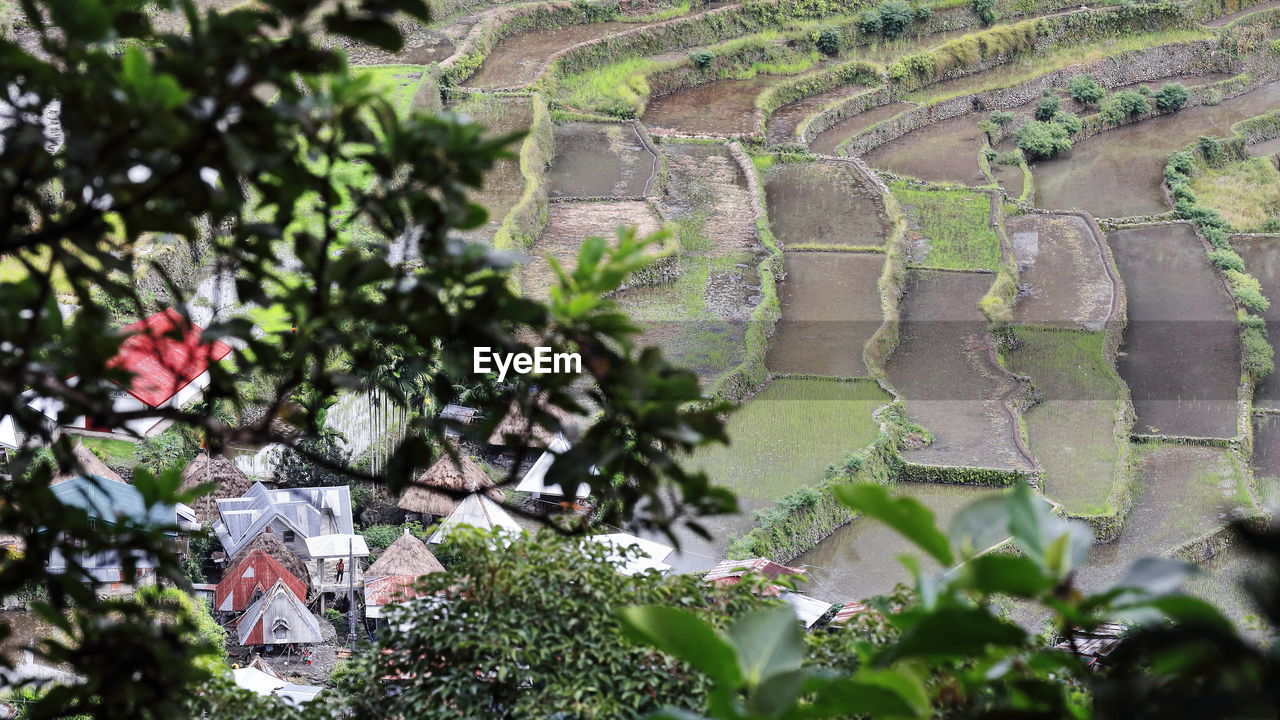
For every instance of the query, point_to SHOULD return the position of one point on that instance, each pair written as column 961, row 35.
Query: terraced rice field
column 830, row 308
column 1262, row 258
column 948, row 229
column 828, row 141
column 568, row 224
column 822, row 204
column 516, row 58
column 1063, row 278
column 774, row 449
column 722, row 108
column 503, row 184
column 597, row 160
column 784, row 121
column 945, row 152
column 1182, row 355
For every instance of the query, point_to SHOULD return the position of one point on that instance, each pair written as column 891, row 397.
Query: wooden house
column 250, row 578
column 278, row 617
column 294, row 514
column 439, row 490
column 325, row 552
column 392, row 578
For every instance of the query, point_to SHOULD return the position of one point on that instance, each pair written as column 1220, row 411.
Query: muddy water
column 782, row 125
column 1262, row 260
column 1183, row 492
column 1180, row 350
column 516, row 58
column 568, row 223
column 1063, row 281
column 830, row 308
column 1009, row 177
column 822, row 203
column 1266, row 446
column 721, row 107
column 503, row 185
column 697, row 554
column 945, row 151
column 1265, row 148
column 828, row 140
column 943, row 369
column 860, row 560
column 1118, row 173
column 600, row 160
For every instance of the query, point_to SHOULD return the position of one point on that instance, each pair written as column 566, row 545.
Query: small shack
column 278, row 618
column 478, row 511
column 325, row 552
column 392, row 578
column 250, row 579
column 732, row 572
column 270, row 543
column 440, row 489
column 217, row 470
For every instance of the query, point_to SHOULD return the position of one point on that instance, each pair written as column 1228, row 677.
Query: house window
column 280, row 630
column 288, row 536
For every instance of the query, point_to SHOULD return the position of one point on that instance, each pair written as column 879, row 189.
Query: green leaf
column 875, row 693
column 1028, row 515
column 951, row 632
column 979, row 525
column 683, row 635
column 1007, row 574
column 779, row 693
column 768, row 642
column 904, row 514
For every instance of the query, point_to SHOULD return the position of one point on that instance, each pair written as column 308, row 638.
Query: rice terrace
column 931, row 244
column 947, row 247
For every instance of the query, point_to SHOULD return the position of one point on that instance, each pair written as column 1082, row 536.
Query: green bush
column 830, row 40
column 1259, row 358
column 1085, row 89
column 1048, row 106
column 1247, row 291
column 890, row 19
column 1001, row 117
column 1011, row 157
column 702, row 59
column 1227, row 259
column 1123, row 105
column 1171, row 97
column 1041, row 140
column 985, row 10
column 1068, row 122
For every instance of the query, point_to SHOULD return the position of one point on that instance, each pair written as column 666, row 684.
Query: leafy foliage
column 1123, row 105
column 830, row 41
column 1084, row 89
column 1042, row 140
column 985, row 10
column 1048, row 106
column 1171, row 97
column 890, row 18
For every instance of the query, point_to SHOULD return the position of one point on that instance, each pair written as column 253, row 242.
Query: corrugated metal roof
column 733, row 570
column 257, row 572
column 389, row 590
column 337, row 545
column 535, row 481
column 278, row 618
column 653, row 553
column 848, row 611
column 808, row 610
column 112, row 501
column 163, row 363
column 310, row 512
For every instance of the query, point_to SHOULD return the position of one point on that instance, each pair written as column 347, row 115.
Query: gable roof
column 112, row 501
column 271, row 544
column 406, row 556
column 729, row 572
column 230, row 481
column 515, row 429
column 258, row 571
column 427, row 495
column 478, row 511
column 278, row 607
column 87, row 464
column 165, row 353
column 309, row 512
column 535, row 481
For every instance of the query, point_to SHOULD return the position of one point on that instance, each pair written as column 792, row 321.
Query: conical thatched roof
column 87, row 464
column 406, row 556
column 460, row 477
column 271, row 543
column 530, row 434
column 218, row 469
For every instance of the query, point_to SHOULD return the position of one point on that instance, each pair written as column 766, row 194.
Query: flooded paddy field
column 830, row 308
column 945, row 151
column 1223, row 581
column 1265, row 148
column 1063, row 279
column 1119, row 172
column 600, row 160
column 1266, row 446
column 503, row 185
column 568, row 223
column 782, row 124
column 822, row 203
column 785, row 437
column 1262, row 260
column 860, row 560
column 1071, row 431
column 944, row 369
column 1009, row 177
column 828, row 140
column 1184, row 492
column 516, row 58
column 717, row 108
column 709, row 197
column 1181, row 352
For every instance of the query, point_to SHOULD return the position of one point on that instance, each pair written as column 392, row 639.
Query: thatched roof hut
column 515, row 426
column 87, row 464
column 426, row 497
column 230, row 480
column 271, row 544
column 406, row 556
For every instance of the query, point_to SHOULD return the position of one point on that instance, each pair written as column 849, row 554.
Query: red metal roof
column 728, row 572
column 848, row 611
column 257, row 571
column 390, row 589
column 162, row 362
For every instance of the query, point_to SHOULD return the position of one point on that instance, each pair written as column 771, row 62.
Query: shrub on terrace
column 1123, row 105
column 1048, row 106
column 1171, row 97
column 890, row 19
column 1041, row 140
column 1247, row 291
column 702, row 59
column 1001, row 117
column 1068, row 122
column 1226, row 259
column 1259, row 357
column 985, row 10
column 1085, row 89
column 830, row 40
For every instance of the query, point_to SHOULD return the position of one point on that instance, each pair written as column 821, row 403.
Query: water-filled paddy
column 830, row 308
column 784, row 437
column 828, row 140
column 721, row 107
column 943, row 367
column 516, row 58
column 822, row 203
column 1266, row 446
column 600, row 160
column 503, row 184
column 1262, row 260
column 1223, row 582
column 1181, row 353
column 860, row 560
column 568, row 223
column 944, row 151
column 1184, row 492
column 782, row 124
column 1119, row 173
column 1264, row 148
column 1062, row 276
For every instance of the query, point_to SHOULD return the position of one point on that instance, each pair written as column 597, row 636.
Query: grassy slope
column 1246, row 193
column 1071, row 430
column 785, row 437
column 955, row 222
